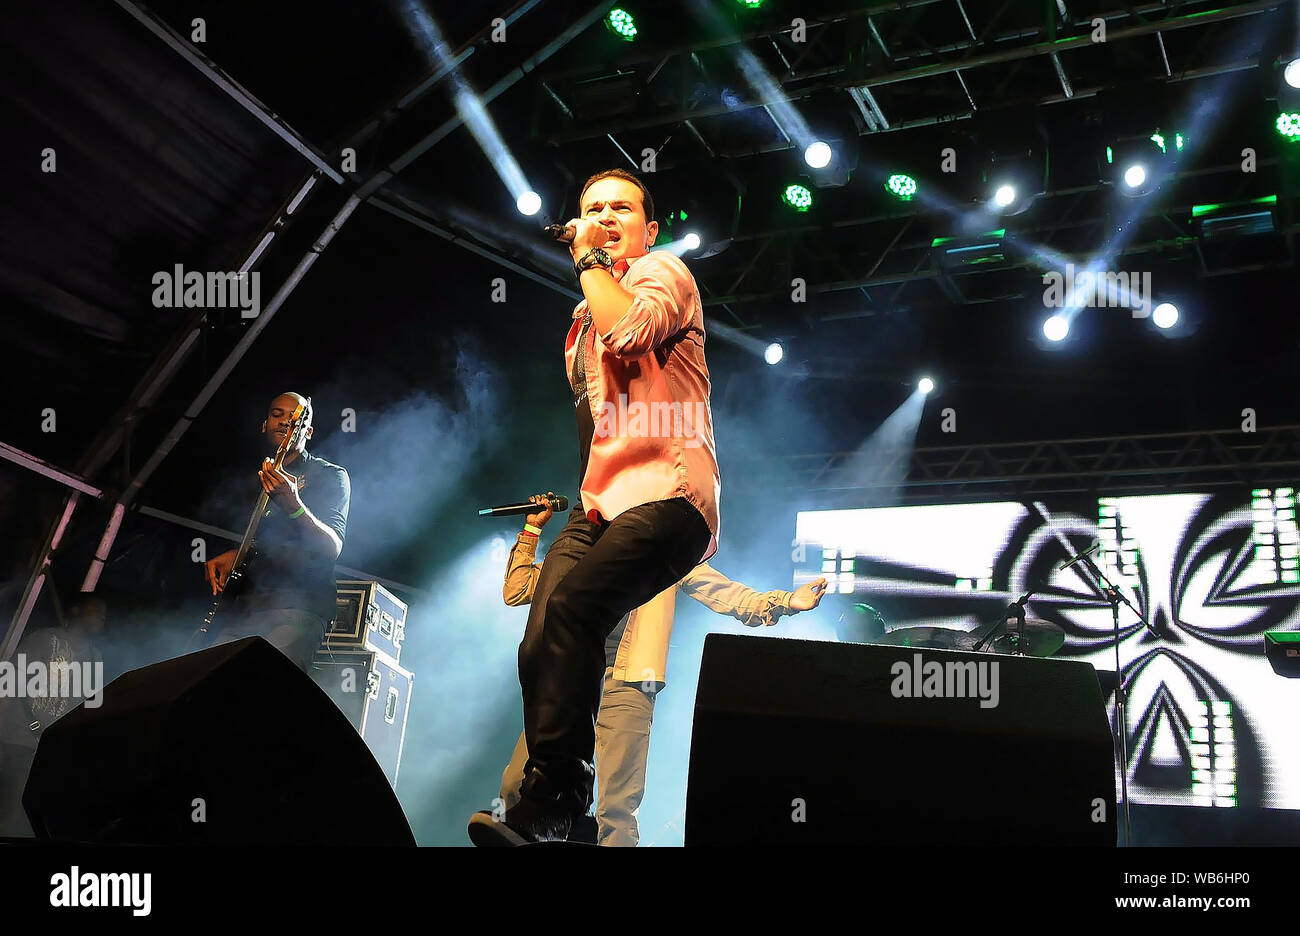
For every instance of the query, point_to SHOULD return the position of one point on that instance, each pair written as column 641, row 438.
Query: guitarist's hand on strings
column 280, row 486
column 217, row 569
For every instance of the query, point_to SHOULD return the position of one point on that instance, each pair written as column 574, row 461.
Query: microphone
column 1079, row 558
column 559, row 504
column 563, row 233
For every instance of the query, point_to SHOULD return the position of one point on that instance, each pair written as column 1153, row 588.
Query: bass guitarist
column 285, row 592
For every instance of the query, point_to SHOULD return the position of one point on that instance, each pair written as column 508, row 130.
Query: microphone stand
column 1015, row 611
column 1115, row 597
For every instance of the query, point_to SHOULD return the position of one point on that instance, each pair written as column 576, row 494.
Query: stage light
column 925, row 385
column 1292, row 73
column 901, row 186
column 968, row 250
column 774, row 353
column 1288, row 124
column 818, row 155
column 1236, row 219
column 750, row 4
column 529, row 203
column 621, row 24
column 1056, row 328
column 1004, row 196
column 1165, row 315
column 1142, row 162
column 691, row 241
column 798, row 197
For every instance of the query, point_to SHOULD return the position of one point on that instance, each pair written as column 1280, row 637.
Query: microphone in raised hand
column 558, row 503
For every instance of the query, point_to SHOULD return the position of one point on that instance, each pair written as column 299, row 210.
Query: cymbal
column 933, row 638
column 1038, row 639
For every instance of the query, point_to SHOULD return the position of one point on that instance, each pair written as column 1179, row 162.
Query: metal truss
column 902, row 263
column 895, row 74
column 1182, row 461
column 922, row 62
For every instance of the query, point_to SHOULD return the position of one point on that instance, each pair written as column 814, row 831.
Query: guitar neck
column 251, row 532
column 263, row 501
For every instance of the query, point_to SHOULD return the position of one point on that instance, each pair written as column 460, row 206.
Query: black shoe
column 584, row 831
column 529, row 821
column 544, row 813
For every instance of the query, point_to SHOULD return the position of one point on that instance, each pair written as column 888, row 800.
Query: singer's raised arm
column 655, row 300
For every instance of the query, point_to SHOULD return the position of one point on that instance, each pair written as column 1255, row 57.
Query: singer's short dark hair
column 647, row 202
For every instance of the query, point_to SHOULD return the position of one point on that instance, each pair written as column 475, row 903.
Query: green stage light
column 797, row 197
column 901, row 186
column 621, row 24
column 1288, row 124
column 750, row 4
column 1159, row 140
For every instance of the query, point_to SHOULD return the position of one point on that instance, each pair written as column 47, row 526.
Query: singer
column 648, row 502
column 636, row 663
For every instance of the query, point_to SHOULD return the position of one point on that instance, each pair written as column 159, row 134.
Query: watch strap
column 593, row 258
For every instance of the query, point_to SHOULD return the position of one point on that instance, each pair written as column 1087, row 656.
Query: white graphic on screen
column 1208, row 721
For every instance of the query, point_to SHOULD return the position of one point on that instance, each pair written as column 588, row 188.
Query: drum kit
column 1011, row 633
column 1034, row 638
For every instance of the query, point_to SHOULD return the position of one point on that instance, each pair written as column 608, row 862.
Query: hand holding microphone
column 546, row 507
column 554, row 503
column 580, row 234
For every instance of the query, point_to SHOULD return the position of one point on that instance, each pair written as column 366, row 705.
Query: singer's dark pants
column 594, row 574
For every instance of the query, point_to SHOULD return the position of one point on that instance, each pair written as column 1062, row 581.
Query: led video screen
column 1209, row 723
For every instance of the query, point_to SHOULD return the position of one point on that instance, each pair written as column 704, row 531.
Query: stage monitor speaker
column 230, row 745
column 809, row 742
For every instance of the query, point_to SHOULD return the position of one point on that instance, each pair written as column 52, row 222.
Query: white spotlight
column 691, row 241
column 1135, row 175
column 818, row 155
column 1165, row 315
column 1292, row 73
column 1004, row 196
column 925, row 385
column 529, row 203
column 774, row 353
column 1056, row 328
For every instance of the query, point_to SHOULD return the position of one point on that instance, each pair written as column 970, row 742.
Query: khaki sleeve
column 521, row 571
column 718, row 593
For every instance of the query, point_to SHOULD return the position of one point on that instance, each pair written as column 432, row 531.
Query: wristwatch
column 593, row 258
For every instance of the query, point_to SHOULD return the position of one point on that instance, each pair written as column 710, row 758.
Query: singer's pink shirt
column 648, row 388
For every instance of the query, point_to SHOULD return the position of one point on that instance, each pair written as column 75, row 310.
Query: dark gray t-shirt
column 283, row 573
